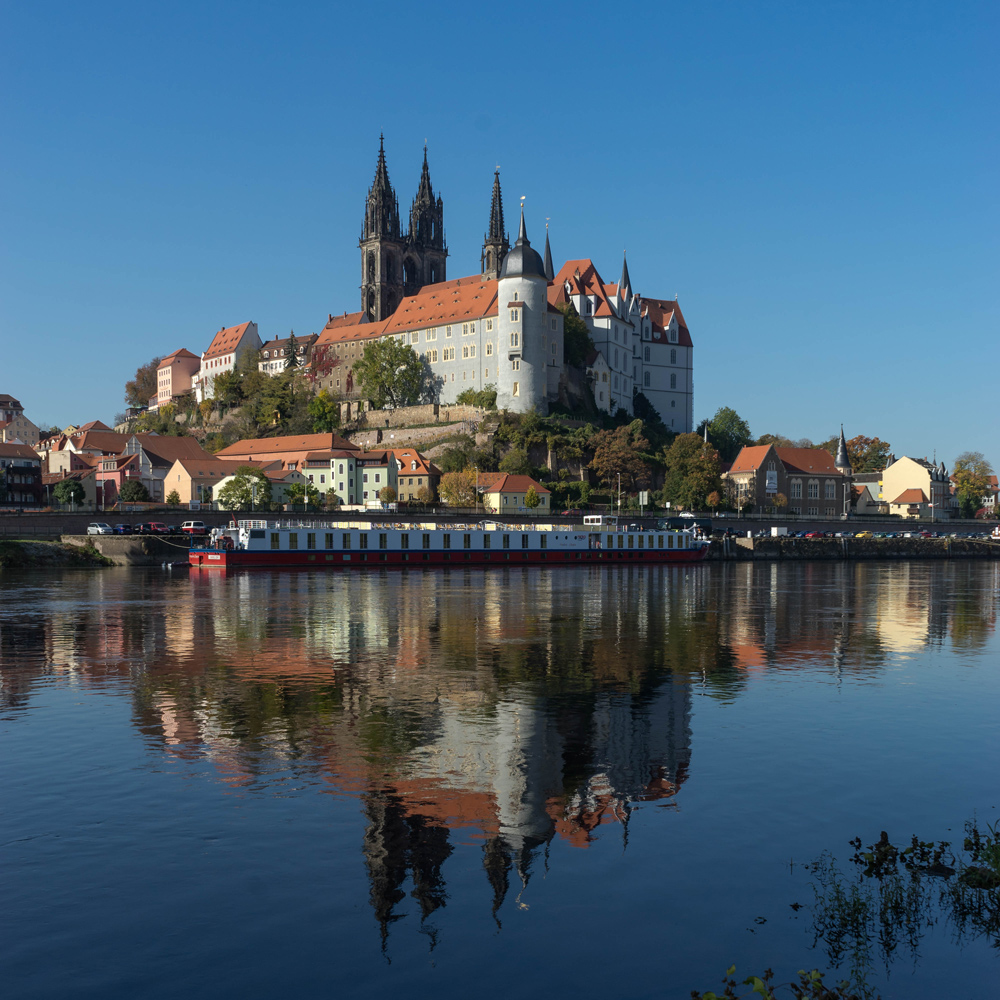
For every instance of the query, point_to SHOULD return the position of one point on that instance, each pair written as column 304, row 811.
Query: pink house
column 176, row 375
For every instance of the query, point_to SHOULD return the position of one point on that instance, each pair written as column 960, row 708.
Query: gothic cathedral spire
column 496, row 243
column 426, row 254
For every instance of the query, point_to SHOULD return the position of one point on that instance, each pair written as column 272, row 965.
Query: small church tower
column 496, row 244
column 522, row 307
column 381, row 247
column 842, row 462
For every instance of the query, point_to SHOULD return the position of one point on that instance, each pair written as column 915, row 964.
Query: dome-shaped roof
column 522, row 261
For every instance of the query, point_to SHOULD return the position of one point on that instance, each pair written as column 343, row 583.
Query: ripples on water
column 517, row 780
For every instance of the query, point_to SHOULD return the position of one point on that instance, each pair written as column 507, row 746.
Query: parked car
column 864, row 534
column 99, row 528
column 815, row 534
column 572, row 512
column 158, row 528
column 173, row 529
column 194, row 528
column 123, row 529
column 141, row 529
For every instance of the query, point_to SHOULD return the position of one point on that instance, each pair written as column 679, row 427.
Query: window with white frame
column 796, row 489
column 515, row 392
column 813, row 487
column 515, row 365
column 489, row 326
column 829, row 490
column 431, row 335
column 489, row 348
column 515, row 339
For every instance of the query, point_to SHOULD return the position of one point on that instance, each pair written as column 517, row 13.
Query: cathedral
column 503, row 327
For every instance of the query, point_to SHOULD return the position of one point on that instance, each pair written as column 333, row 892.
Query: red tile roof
column 911, row 496
column 515, row 484
column 345, row 333
column 817, row 461
column 446, row 302
column 19, row 451
column 226, row 341
column 660, row 312
column 176, row 356
column 163, row 449
column 346, row 319
column 406, row 456
column 277, row 445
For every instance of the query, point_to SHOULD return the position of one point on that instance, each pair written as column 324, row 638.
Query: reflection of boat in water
column 347, row 544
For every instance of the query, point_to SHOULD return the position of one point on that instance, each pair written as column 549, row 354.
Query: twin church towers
column 394, row 263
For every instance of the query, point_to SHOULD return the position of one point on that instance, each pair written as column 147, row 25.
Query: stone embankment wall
column 133, row 550
column 853, row 548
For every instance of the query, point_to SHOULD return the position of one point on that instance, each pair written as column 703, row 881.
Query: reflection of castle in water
column 502, row 709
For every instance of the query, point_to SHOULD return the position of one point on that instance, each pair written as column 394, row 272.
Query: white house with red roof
column 223, row 354
column 645, row 342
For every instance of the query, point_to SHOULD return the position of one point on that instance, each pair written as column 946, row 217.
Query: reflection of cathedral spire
column 398, row 844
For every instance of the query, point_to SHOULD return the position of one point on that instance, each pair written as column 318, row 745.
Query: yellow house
column 506, row 496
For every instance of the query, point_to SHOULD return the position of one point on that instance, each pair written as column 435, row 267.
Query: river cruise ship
column 349, row 544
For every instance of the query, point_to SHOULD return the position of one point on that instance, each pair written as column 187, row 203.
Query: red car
column 815, row 534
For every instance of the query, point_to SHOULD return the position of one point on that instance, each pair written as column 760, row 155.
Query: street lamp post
column 619, row 494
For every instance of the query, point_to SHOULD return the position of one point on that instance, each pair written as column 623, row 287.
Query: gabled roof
column 214, row 466
column 808, row 461
column 345, row 319
column 176, row 356
column 109, row 442
column 19, row 451
column 406, row 456
column 514, row 484
column 226, row 341
column 9, row 401
column 446, row 302
column 911, row 496
column 660, row 312
column 274, row 445
column 95, row 425
column 583, row 279
column 350, row 332
column 163, row 449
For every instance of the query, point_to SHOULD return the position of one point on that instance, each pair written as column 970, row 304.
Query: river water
column 575, row 782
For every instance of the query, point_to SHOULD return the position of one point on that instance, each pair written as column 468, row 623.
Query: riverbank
column 828, row 549
column 17, row 554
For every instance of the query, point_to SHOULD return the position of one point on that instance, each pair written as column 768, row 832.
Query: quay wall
column 133, row 550
column 826, row 549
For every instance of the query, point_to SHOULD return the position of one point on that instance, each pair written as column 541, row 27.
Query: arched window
column 645, row 378
column 646, row 356
column 409, row 271
column 673, row 355
column 371, row 265
column 673, row 381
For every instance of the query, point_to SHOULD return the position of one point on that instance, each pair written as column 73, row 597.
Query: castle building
column 503, row 327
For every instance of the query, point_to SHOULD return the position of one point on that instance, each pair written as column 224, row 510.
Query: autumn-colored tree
column 387, row 494
column 531, row 500
column 713, row 499
column 425, row 494
column 692, row 472
column 458, row 488
column 619, row 452
column 972, row 481
column 142, row 388
column 779, row 500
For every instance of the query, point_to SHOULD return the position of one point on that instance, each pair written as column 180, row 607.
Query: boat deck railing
column 294, row 525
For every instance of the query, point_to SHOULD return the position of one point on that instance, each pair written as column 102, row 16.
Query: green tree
column 291, row 353
column 972, row 481
column 778, row 440
column 390, row 373
column 577, row 342
column 485, row 398
column 516, row 463
column 619, row 452
column 238, row 493
column 387, row 494
column 142, row 387
column 133, row 491
column 458, row 488
column 692, row 472
column 173, row 498
column 302, row 493
column 531, row 500
column 728, row 432
column 69, row 491
column 325, row 412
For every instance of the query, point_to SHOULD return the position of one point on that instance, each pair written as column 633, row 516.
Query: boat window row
column 370, row 539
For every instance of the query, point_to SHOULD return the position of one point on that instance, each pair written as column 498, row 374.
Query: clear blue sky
column 817, row 182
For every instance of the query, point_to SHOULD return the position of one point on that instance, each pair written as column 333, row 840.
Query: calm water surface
column 581, row 782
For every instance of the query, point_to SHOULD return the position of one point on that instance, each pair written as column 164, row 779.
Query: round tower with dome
column 522, row 307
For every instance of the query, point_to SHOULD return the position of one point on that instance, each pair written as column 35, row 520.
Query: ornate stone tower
column 425, row 255
column 841, row 463
column 382, row 246
column 496, row 243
